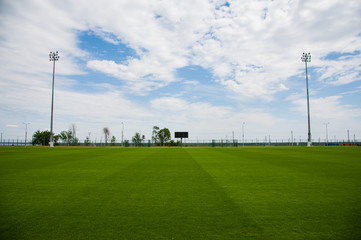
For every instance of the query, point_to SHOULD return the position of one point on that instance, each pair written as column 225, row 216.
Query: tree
column 137, row 139
column 68, row 136
column 106, row 134
column 112, row 141
column 155, row 137
column 43, row 138
column 87, row 141
column 73, row 131
column 173, row 143
column 160, row 136
column 164, row 136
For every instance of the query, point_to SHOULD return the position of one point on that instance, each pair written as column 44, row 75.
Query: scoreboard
column 181, row 135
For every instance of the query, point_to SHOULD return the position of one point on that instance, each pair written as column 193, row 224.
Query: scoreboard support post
column 181, row 135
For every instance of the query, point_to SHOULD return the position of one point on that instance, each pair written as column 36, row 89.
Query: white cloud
column 164, row 30
column 30, row 30
column 342, row 71
column 328, row 108
column 283, row 87
column 244, row 37
column 347, row 78
column 169, row 104
column 191, row 82
column 207, row 121
column 140, row 75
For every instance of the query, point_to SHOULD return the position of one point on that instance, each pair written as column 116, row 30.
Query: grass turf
column 180, row 193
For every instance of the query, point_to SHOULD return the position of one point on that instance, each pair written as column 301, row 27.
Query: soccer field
column 180, row 193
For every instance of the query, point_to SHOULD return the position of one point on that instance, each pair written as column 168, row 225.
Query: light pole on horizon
column 122, row 133
column 326, row 133
column 53, row 57
column 306, row 57
column 26, row 131
column 233, row 137
column 243, row 133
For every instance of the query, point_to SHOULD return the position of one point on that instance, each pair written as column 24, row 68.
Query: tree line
column 67, row 137
column 160, row 137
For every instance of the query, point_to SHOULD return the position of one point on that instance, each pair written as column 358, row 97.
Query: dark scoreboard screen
column 181, row 134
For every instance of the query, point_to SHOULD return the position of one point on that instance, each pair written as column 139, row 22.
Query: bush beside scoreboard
column 181, row 134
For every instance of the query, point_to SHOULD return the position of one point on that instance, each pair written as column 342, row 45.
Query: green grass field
column 180, row 193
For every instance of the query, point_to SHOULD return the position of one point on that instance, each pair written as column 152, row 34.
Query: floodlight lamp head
column 306, row 57
column 53, row 56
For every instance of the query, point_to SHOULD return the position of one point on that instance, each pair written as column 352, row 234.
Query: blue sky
column 204, row 67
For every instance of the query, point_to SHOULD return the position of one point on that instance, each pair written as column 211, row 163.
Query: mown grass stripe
column 166, row 196
column 290, row 194
column 35, row 196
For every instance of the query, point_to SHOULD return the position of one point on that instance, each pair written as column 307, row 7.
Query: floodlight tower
column 53, row 57
column 326, row 132
column 123, row 134
column 26, row 131
column 306, row 57
column 243, row 133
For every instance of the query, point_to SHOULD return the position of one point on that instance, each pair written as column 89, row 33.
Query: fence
column 15, row 142
column 196, row 143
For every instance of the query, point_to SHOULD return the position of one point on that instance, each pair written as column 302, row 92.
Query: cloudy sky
column 203, row 66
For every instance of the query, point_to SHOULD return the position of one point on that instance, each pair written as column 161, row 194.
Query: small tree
column 155, row 135
column 68, row 137
column 112, row 141
column 73, row 133
column 87, row 141
column 173, row 143
column 164, row 136
column 137, row 139
column 106, row 135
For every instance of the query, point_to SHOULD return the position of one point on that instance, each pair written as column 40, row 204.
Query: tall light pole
column 26, row 131
column 122, row 134
column 326, row 133
column 306, row 57
column 243, row 133
column 53, row 57
column 233, row 137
